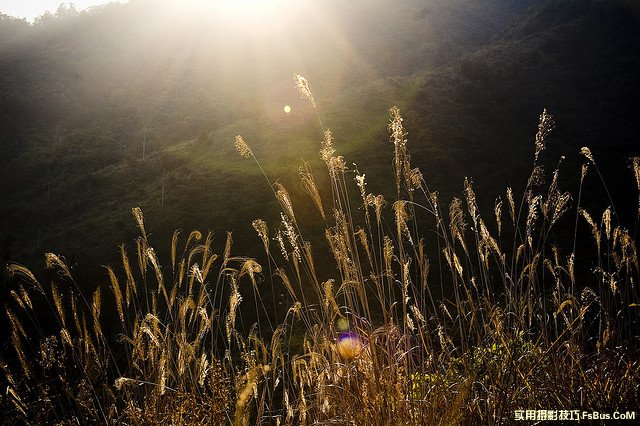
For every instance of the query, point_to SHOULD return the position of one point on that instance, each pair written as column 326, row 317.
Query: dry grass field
column 437, row 313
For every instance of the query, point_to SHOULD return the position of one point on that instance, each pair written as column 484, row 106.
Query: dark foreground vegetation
column 437, row 313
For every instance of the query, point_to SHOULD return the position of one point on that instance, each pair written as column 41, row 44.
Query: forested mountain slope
column 137, row 105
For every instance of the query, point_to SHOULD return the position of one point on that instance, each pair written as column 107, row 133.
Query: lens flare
column 342, row 324
column 349, row 345
column 287, row 109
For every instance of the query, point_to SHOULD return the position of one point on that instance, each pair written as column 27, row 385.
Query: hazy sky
column 33, row 8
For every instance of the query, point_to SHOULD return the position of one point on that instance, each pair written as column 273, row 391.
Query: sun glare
column 249, row 7
column 251, row 14
column 239, row 9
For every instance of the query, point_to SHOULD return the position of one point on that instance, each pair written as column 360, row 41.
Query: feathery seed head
column 122, row 382
column 414, row 179
column 545, row 126
column 138, row 216
column 472, row 206
column 362, row 185
column 309, row 186
column 280, row 241
column 327, row 150
column 285, row 201
column 242, row 147
column 497, row 209
column 512, row 204
column 457, row 223
column 396, row 128
column 587, row 153
column 377, row 201
column 537, row 177
column 402, row 216
column 292, row 236
column 263, row 232
column 53, row 260
column 583, row 172
column 337, row 165
column 302, row 84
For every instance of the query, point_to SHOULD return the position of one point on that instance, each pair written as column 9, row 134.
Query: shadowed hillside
column 138, row 104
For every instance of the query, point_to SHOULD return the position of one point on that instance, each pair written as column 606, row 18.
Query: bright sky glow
column 31, row 9
column 250, row 7
column 248, row 11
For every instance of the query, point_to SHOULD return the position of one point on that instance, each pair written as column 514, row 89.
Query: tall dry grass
column 438, row 313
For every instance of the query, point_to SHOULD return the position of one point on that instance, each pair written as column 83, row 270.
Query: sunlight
column 234, row 10
column 251, row 8
column 252, row 16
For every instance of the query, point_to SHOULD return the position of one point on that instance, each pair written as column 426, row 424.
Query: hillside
column 141, row 110
column 577, row 59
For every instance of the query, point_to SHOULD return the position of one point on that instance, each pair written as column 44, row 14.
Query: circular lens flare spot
column 349, row 345
column 342, row 324
column 287, row 109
